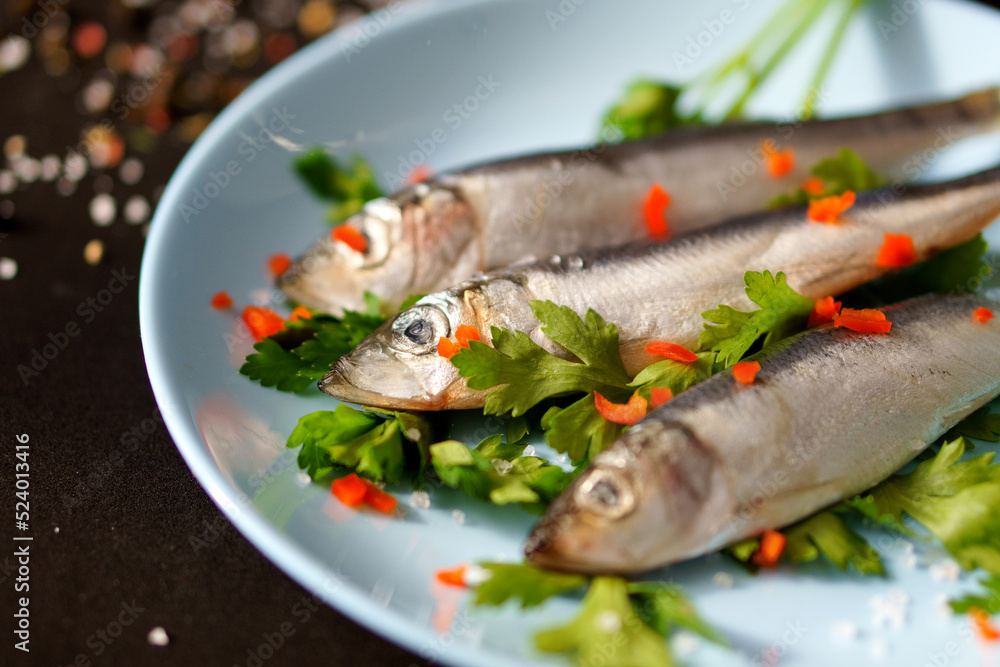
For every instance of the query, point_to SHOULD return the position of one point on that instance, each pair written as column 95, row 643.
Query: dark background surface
column 122, row 530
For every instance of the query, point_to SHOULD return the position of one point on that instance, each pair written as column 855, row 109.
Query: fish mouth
column 337, row 384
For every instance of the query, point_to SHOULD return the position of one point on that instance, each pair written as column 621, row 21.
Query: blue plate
column 497, row 78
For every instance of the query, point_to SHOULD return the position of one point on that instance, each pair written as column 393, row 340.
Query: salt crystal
column 413, row 434
column 458, row 516
column 8, row 181
column 909, row 560
column 608, row 621
column 93, row 252
column 945, row 570
column 890, row 609
column 103, row 209
column 8, row 268
column 879, row 648
column 302, row 479
column 941, row 606
column 50, row 167
column 846, row 630
column 158, row 637
column 502, row 466
column 420, row 500
column 529, row 451
column 684, row 643
column 475, row 575
column 723, row 580
column 14, row 52
column 136, row 210
column 131, row 171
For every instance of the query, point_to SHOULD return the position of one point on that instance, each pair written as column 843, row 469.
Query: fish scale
column 657, row 291
column 831, row 413
column 430, row 236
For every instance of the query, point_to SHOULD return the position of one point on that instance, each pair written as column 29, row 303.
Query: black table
column 124, row 539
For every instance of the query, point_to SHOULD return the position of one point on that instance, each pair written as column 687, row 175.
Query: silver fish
column 430, row 236
column 831, row 413
column 656, row 291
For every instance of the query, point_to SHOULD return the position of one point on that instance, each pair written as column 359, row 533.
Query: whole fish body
column 656, row 291
column 830, row 414
column 430, row 236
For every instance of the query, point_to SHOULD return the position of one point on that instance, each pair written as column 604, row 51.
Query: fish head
column 333, row 276
column 420, row 234
column 398, row 365
column 634, row 509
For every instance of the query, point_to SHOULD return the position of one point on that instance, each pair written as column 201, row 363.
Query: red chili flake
column 772, row 543
column 897, row 251
column 454, row 576
column 89, row 39
column 745, row 372
column 779, row 162
column 983, row 624
column 278, row 263
column 464, row 333
column 868, row 320
column 447, row 348
column 221, row 301
column 420, row 174
column 349, row 490
column 300, row 313
column 621, row 413
column 823, row 311
column 350, row 236
column 378, row 499
column 262, row 322
column 828, row 209
column 814, row 185
column 279, row 46
column 659, row 395
column 982, row 315
column 654, row 212
column 671, row 351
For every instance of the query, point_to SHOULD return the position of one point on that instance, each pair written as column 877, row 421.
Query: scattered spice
column 671, row 351
column 278, row 263
column 621, row 413
column 654, row 212
column 350, row 236
column 823, row 311
column 745, row 372
column 868, row 320
column 772, row 543
column 829, row 209
column 659, row 395
column 982, row 315
column 897, row 251
column 262, row 322
column 221, row 301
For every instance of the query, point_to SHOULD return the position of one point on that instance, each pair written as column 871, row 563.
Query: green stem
column 809, row 104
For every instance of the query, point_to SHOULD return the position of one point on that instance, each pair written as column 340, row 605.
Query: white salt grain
column 846, row 630
column 608, row 621
column 420, row 500
column 723, row 580
column 458, row 516
column 945, row 570
column 684, row 643
column 158, row 637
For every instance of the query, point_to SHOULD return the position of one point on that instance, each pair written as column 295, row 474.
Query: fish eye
column 419, row 328
column 606, row 493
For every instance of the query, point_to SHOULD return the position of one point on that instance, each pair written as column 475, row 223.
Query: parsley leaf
column 845, row 171
column 579, row 430
column 733, row 332
column 828, row 534
column 955, row 500
column 522, row 373
column 497, row 472
column 362, row 441
column 348, row 187
column 663, row 607
column 294, row 359
column 676, row 375
column 983, row 424
column 648, row 108
column 988, row 600
column 529, row 585
column 607, row 624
